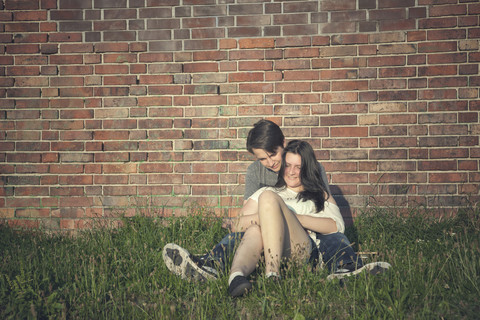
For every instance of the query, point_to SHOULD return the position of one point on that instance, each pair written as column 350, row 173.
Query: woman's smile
column 293, row 164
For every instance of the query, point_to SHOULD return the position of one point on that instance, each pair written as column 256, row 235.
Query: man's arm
column 252, row 181
column 247, row 216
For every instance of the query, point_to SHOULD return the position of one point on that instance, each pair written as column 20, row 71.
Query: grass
column 120, row 273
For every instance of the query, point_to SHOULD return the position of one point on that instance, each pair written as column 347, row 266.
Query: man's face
column 269, row 160
column 293, row 164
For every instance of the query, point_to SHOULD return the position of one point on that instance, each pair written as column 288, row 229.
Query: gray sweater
column 258, row 176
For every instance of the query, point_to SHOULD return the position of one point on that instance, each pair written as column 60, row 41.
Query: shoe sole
column 178, row 261
column 373, row 268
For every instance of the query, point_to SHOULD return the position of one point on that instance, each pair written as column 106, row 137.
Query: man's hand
column 227, row 224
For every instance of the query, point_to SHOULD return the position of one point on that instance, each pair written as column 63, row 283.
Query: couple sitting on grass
column 288, row 213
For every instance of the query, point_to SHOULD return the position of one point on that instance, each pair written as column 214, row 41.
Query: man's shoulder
column 255, row 166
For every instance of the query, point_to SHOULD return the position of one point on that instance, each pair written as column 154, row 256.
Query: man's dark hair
column 265, row 135
column 310, row 176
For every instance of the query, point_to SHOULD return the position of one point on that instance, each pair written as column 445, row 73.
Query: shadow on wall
column 346, row 211
column 343, row 204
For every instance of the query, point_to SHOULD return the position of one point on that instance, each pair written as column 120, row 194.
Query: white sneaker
column 179, row 261
column 373, row 268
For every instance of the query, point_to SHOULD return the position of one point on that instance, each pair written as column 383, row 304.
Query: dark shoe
column 180, row 262
column 239, row 286
column 373, row 268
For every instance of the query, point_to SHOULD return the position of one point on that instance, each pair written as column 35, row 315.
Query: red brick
column 7, row 146
column 349, row 132
column 75, row 70
column 65, row 37
column 111, row 69
column 292, row 64
column 22, row 49
column 433, row 23
column 255, row 65
column 154, row 101
column 440, row 94
column 397, row 95
column 330, row 5
column 444, row 82
column 245, row 77
column 395, row 142
column 111, row 91
column 253, row 88
column 32, row 146
column 398, row 119
column 23, row 71
column 66, row 59
column 30, row 16
column 437, row 46
column 155, row 79
column 448, row 10
column 386, row 61
column 293, row 87
column 349, row 85
column 449, row 153
column 30, row 60
column 23, row 92
column 302, row 98
column 339, row 97
column 22, row 27
column 447, row 177
column 388, row 130
column 200, row 67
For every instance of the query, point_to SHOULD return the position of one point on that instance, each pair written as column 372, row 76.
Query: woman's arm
column 319, row 224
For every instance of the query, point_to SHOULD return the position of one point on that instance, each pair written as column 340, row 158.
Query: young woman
column 283, row 221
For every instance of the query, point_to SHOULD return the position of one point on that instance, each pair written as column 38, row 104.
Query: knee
column 268, row 196
column 253, row 229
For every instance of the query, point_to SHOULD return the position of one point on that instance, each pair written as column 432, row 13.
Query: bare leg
column 248, row 252
column 282, row 233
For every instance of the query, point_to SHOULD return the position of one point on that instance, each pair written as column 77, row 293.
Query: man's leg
column 337, row 251
column 342, row 261
column 200, row 267
column 221, row 253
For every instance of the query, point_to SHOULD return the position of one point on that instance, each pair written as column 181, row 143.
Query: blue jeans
column 335, row 249
column 337, row 252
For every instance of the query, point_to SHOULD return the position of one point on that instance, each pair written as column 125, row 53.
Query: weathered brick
column 330, row 5
column 23, row 71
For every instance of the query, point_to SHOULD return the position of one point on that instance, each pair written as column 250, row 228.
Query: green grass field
column 120, row 274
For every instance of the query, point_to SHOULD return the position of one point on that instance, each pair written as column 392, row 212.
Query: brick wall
column 125, row 106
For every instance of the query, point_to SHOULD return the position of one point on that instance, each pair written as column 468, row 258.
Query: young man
column 266, row 142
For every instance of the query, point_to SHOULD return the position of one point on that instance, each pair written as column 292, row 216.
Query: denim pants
column 335, row 250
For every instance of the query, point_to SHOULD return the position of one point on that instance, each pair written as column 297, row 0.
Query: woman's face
column 293, row 164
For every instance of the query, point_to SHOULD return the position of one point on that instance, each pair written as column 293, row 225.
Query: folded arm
column 319, row 224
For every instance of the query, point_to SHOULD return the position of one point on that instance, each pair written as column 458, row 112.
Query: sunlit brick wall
column 112, row 107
